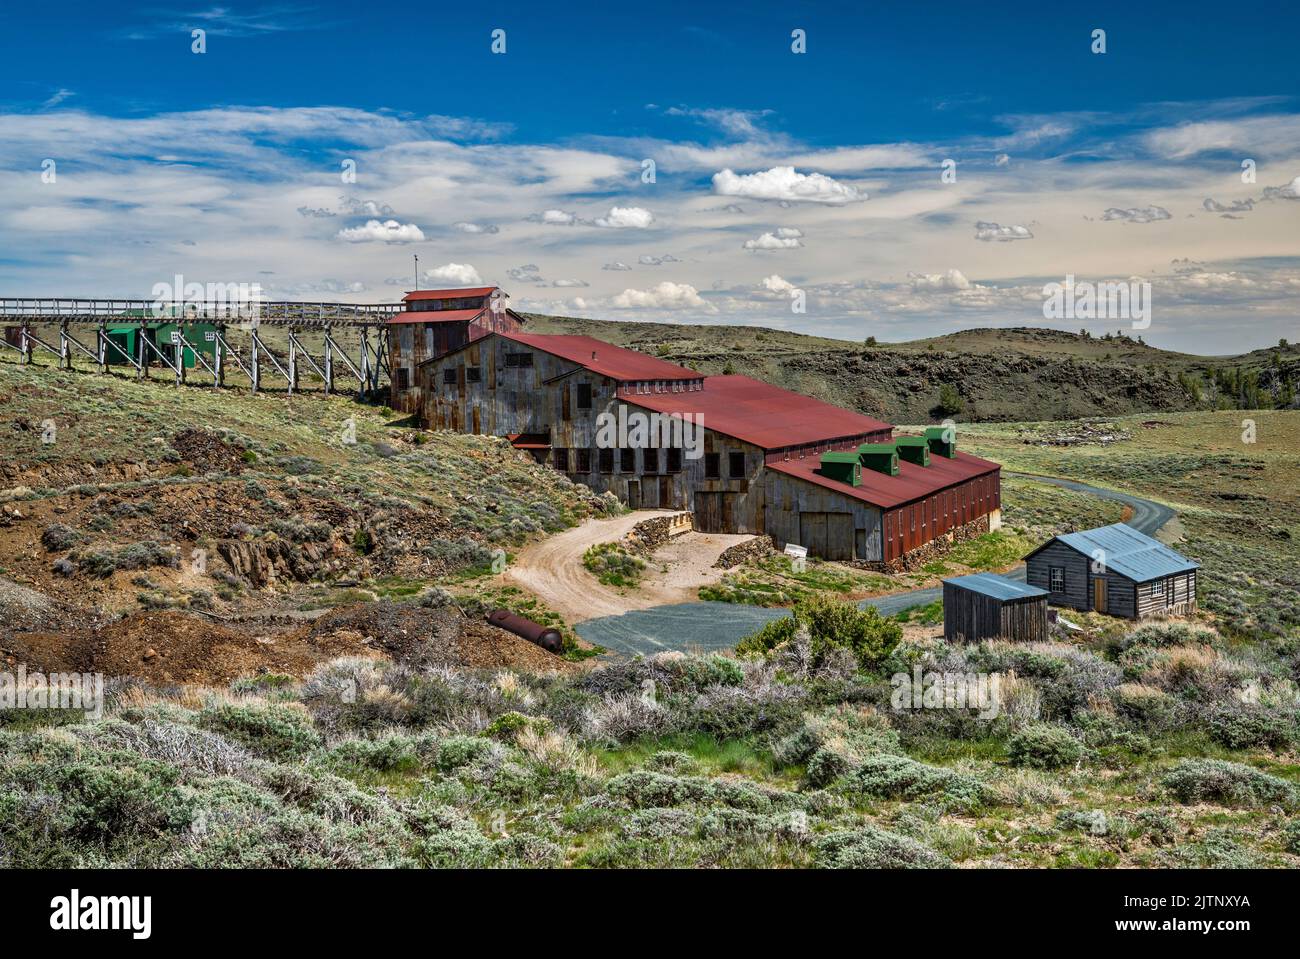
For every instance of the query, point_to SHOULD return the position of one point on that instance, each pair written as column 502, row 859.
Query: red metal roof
column 449, row 294
column 913, row 482
column 760, row 413
column 604, row 358
column 529, row 441
column 435, row 316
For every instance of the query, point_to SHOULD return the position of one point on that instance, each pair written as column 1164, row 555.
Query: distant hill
column 1018, row 373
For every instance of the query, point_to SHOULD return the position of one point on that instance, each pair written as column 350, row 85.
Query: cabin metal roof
column 452, row 294
column 995, row 586
column 1124, row 550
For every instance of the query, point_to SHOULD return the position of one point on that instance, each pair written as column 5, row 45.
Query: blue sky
column 510, row 168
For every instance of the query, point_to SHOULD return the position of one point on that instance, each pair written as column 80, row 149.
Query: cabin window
column 606, row 460
column 1158, row 587
column 584, row 396
column 1056, row 579
column 650, row 462
column 584, row 461
column 712, row 465
column 519, row 359
column 562, row 460
column 473, row 374
column 735, row 465
column 674, row 459
column 403, row 378
column 449, row 376
column 627, row 461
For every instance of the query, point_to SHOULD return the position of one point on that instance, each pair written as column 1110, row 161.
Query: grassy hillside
column 996, row 374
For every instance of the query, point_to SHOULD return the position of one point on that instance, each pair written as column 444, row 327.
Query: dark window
column 562, row 460
column 674, row 459
column 449, row 376
column 584, row 461
column 473, row 374
column 627, row 461
column 735, row 465
column 1056, row 579
column 584, row 396
column 519, row 359
column 712, row 465
column 606, row 459
column 403, row 378
column 650, row 461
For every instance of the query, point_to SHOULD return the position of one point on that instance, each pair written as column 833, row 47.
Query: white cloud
column 1237, row 206
column 666, row 295
column 785, row 183
column 474, row 228
column 567, row 283
column 454, row 274
column 950, row 282
column 784, row 238
column 616, row 265
column 646, row 259
column 1142, row 214
column 1288, row 191
column 555, row 218
column 984, row 230
column 778, row 284
column 1001, row 159
column 388, row 231
column 626, row 217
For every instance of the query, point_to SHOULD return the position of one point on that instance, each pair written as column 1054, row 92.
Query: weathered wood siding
column 1077, row 592
column 1175, row 595
column 914, row 524
column 839, row 526
column 410, row 344
column 971, row 617
column 544, row 398
column 1123, row 597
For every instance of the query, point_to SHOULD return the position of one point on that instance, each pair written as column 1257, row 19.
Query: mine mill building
column 776, row 462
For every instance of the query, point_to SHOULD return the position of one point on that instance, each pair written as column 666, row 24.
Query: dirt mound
column 206, row 452
column 170, row 647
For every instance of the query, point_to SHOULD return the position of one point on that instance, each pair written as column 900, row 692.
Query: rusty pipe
column 544, row 636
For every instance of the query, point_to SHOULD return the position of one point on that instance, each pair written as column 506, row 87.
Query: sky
column 896, row 170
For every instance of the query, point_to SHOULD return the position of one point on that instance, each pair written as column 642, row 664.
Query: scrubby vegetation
column 613, row 565
column 798, row 753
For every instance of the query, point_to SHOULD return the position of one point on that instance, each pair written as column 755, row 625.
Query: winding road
column 706, row 626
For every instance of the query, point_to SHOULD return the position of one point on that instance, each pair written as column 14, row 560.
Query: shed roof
column 762, row 414
column 995, row 586
column 913, row 482
column 435, row 316
column 449, row 294
column 1126, row 551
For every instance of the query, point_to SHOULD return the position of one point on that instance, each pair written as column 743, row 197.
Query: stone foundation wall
column 931, row 550
column 755, row 548
column 649, row 534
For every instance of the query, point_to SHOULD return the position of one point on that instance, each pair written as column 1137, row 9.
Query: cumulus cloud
column 554, row 218
column 1288, row 191
column 1142, row 214
column 785, row 183
column 387, row 231
column 666, row 295
column 778, row 284
column 475, row 228
column 626, row 218
column 454, row 274
column 950, row 282
column 616, row 265
column 984, row 230
column 784, row 238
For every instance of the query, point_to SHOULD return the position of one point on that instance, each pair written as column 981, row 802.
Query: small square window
column 650, row 462
column 562, row 460
column 606, row 459
column 473, row 374
column 449, row 376
column 674, row 459
column 584, row 396
column 403, row 378
column 1056, row 579
column 627, row 461
column 584, row 461
column 735, row 465
column 712, row 465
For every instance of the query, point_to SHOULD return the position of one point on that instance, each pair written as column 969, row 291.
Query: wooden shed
column 1114, row 570
column 987, row 606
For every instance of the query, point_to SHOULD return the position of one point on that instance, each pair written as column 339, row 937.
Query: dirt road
column 552, row 569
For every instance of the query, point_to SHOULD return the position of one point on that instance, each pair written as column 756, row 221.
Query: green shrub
column 872, row 848
column 613, row 565
column 1042, row 746
column 58, row 537
column 831, row 625
column 1215, row 780
column 273, row 731
column 1247, row 727
column 886, row 776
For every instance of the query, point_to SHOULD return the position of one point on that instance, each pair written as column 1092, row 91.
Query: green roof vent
column 942, row 440
column 914, row 449
column 881, row 457
column 843, row 467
